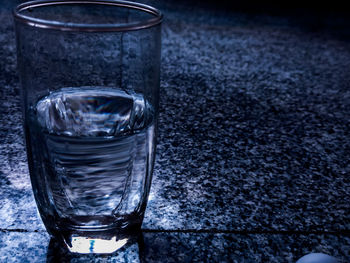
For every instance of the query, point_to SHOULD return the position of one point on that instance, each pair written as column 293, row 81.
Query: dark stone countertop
column 254, row 142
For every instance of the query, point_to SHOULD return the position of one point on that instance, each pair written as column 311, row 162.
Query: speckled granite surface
column 182, row 247
column 254, row 136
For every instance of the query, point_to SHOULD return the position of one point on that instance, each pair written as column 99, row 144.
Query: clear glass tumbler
column 89, row 73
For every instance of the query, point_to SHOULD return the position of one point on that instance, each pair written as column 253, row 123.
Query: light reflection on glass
column 87, row 245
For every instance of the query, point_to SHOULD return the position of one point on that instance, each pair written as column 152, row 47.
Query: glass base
column 98, row 241
column 102, row 237
column 131, row 252
column 87, row 245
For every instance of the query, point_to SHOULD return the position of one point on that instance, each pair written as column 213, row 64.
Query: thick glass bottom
column 97, row 243
column 98, row 240
column 87, row 244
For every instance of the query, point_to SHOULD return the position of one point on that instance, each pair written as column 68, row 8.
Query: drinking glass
column 89, row 73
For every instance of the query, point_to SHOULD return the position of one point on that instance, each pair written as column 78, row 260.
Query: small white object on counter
column 317, row 258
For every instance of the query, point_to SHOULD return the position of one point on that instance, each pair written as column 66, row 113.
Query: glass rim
column 81, row 27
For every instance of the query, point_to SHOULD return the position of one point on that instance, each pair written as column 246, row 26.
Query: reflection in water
column 130, row 253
